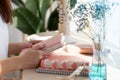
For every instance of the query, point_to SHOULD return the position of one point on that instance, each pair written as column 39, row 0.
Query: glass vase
column 98, row 66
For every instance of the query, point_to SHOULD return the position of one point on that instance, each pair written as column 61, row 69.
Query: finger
column 43, row 53
column 38, row 47
column 26, row 50
column 28, row 45
column 35, row 41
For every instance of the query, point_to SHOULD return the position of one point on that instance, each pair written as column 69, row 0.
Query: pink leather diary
column 53, row 43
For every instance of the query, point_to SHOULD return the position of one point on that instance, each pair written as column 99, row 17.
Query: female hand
column 29, row 44
column 18, row 47
column 33, row 42
column 31, row 58
column 38, row 46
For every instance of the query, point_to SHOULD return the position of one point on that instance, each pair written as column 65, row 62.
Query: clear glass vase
column 98, row 66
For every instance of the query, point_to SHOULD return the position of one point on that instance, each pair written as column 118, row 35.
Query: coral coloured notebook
column 64, row 61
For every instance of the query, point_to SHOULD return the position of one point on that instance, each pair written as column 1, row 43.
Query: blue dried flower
column 95, row 9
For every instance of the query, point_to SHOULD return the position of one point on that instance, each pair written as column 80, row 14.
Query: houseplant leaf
column 43, row 6
column 33, row 6
column 40, row 27
column 25, row 15
column 30, row 18
column 22, row 24
column 19, row 3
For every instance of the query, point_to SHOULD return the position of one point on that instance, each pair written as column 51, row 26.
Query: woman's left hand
column 29, row 44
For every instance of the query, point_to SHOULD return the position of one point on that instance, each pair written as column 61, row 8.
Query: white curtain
column 113, row 27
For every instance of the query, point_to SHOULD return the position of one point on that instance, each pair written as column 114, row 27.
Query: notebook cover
column 52, row 43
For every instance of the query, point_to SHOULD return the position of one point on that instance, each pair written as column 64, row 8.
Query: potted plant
column 29, row 16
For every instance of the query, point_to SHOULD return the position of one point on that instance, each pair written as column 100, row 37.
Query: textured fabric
column 3, row 39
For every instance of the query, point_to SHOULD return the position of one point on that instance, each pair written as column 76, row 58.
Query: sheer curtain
column 113, row 35
column 113, row 27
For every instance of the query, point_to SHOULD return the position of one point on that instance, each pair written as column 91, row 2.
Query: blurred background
column 37, row 16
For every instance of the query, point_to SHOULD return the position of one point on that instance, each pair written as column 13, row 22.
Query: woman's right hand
column 31, row 58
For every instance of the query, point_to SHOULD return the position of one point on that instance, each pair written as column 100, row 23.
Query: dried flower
column 90, row 12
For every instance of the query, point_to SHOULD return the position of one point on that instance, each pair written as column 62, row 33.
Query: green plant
column 29, row 16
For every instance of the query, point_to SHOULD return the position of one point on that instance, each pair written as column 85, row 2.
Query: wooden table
column 31, row 74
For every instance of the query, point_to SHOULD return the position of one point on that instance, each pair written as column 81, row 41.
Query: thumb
column 43, row 54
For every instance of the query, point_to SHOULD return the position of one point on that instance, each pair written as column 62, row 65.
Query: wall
column 14, row 34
